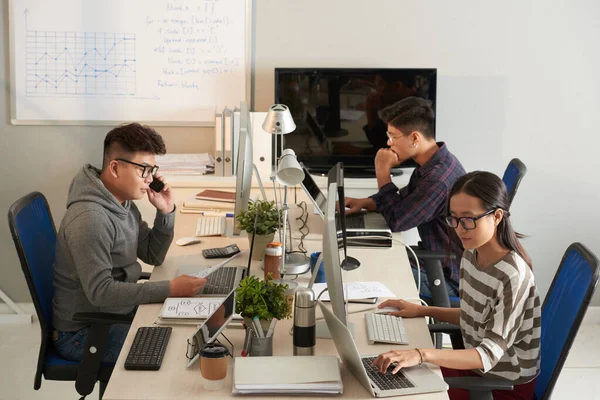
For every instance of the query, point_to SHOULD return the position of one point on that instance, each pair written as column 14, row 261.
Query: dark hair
column 132, row 138
column 490, row 189
column 411, row 114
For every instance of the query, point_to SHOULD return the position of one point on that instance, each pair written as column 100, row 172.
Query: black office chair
column 562, row 312
column 34, row 234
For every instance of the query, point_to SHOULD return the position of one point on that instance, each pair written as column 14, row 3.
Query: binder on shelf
column 224, row 138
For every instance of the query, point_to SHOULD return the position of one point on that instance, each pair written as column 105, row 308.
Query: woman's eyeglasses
column 467, row 222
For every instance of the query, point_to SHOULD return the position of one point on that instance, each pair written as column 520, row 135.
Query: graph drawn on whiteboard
column 80, row 63
column 193, row 307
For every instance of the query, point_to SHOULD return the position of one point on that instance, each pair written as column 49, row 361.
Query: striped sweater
column 500, row 316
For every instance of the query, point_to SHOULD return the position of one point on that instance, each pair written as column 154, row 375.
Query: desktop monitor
column 211, row 328
column 243, row 171
column 336, row 111
column 331, row 257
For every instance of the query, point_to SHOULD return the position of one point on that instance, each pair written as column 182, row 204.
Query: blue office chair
column 34, row 234
column 562, row 312
column 514, row 173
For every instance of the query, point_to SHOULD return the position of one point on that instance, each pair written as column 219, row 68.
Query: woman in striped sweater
column 499, row 313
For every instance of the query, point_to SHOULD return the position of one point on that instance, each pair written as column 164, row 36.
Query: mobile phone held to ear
column 156, row 185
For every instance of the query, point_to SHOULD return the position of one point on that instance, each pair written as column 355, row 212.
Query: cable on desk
column 304, row 229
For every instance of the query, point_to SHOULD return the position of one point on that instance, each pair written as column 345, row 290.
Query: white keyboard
column 211, row 226
column 385, row 329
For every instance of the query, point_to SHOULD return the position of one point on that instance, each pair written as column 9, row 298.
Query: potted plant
column 264, row 299
column 261, row 219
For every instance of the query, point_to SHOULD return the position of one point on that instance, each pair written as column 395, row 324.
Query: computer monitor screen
column 211, row 328
column 331, row 258
column 336, row 111
column 243, row 172
column 314, row 193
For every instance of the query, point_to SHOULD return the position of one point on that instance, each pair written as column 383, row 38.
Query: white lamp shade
column 289, row 172
column 279, row 120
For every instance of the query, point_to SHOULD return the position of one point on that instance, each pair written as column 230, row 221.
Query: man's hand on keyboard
column 185, row 286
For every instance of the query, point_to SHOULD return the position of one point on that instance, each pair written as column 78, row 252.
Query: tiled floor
column 19, row 350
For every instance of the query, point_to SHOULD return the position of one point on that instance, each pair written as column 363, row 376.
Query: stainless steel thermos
column 304, row 322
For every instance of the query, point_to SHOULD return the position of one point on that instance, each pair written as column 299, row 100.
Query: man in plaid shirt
column 423, row 202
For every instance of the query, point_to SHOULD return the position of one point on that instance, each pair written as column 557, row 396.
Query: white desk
column 175, row 381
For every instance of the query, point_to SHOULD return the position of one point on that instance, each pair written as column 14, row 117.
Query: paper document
column 187, row 164
column 190, row 307
column 316, row 374
column 357, row 290
column 206, row 272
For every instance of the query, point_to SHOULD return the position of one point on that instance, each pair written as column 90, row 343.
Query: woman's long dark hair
column 492, row 192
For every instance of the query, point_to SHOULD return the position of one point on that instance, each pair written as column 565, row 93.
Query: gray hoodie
column 97, row 247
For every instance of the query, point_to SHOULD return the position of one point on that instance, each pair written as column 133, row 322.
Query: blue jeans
column 71, row 345
column 426, row 292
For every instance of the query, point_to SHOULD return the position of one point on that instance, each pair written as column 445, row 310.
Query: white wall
column 516, row 78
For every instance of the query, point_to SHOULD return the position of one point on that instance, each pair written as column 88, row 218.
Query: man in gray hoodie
column 102, row 235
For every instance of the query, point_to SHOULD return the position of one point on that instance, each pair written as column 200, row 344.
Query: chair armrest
column 479, row 384
column 444, row 328
column 145, row 275
column 103, row 318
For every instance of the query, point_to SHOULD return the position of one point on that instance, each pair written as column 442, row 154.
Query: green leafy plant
column 267, row 217
column 263, row 299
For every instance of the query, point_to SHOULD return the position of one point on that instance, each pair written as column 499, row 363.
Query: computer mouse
column 184, row 241
column 386, row 310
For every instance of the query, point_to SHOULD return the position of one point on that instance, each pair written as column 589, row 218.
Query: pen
column 259, row 332
column 271, row 327
column 216, row 214
column 248, row 338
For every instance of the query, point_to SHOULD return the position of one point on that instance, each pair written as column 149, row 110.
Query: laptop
column 413, row 380
column 220, row 282
column 363, row 224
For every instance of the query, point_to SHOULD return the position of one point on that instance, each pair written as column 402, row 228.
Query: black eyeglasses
column 467, row 222
column 146, row 169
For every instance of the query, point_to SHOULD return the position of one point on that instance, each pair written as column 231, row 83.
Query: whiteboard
column 100, row 62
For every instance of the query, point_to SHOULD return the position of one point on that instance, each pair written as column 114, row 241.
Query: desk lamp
column 287, row 172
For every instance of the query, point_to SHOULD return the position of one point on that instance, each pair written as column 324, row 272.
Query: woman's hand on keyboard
column 405, row 308
column 185, row 286
column 402, row 358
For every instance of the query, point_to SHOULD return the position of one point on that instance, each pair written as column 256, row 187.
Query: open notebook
column 315, row 374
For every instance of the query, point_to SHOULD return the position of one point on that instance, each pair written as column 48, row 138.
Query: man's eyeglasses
column 467, row 222
column 146, row 169
column 391, row 138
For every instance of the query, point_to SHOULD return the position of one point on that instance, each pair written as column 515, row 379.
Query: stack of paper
column 186, row 164
column 357, row 290
column 287, row 375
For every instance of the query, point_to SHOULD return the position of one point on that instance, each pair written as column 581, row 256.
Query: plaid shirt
column 423, row 204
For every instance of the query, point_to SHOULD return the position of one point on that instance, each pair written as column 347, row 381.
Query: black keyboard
column 148, row 348
column 221, row 281
column 386, row 381
column 353, row 221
